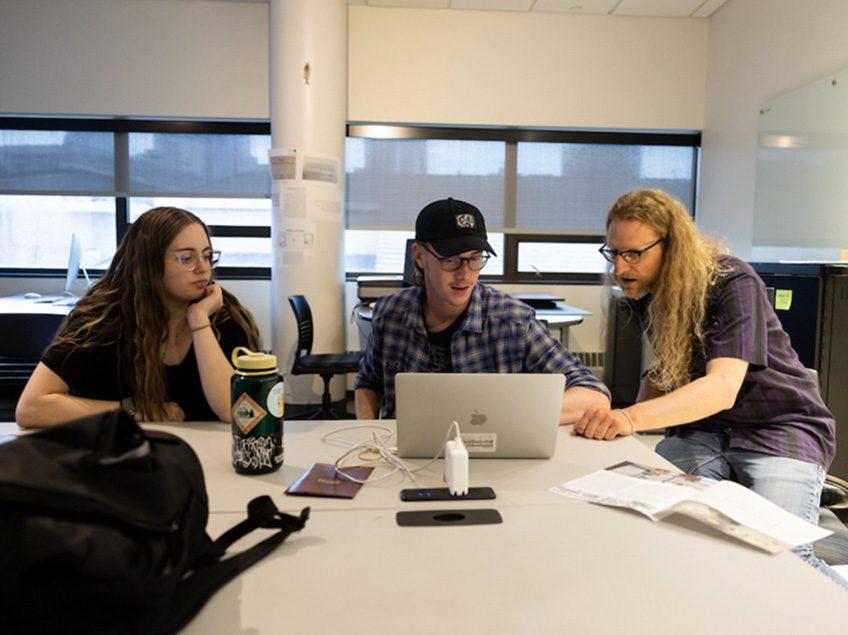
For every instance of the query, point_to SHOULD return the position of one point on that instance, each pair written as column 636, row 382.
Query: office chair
column 25, row 337
column 324, row 364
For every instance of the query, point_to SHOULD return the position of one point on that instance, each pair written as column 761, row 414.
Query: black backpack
column 103, row 529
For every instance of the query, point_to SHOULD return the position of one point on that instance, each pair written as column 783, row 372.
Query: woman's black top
column 95, row 373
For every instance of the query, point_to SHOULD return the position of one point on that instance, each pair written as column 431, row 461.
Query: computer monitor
column 74, row 258
column 69, row 298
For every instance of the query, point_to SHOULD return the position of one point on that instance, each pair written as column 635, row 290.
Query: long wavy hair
column 126, row 308
column 689, row 268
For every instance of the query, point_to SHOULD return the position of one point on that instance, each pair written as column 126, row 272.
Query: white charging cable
column 377, row 446
column 328, row 437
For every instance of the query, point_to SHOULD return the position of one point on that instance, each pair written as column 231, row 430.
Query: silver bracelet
column 629, row 420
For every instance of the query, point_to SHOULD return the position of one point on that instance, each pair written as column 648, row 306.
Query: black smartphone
column 443, row 494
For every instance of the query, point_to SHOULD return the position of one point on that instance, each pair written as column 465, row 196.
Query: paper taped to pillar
column 291, row 165
column 318, row 168
column 283, row 165
column 321, row 181
column 323, row 203
column 289, row 197
column 295, row 242
column 304, row 199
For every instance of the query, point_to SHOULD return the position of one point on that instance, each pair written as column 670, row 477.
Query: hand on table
column 602, row 423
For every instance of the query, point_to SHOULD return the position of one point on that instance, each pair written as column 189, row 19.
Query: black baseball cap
column 452, row 226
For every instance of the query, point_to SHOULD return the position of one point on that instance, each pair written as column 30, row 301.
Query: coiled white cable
column 377, row 445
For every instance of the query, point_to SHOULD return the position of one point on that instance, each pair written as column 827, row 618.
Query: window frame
column 121, row 129
column 511, row 136
column 513, row 242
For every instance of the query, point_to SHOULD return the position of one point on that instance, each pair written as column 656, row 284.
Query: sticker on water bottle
column 247, row 413
column 275, row 400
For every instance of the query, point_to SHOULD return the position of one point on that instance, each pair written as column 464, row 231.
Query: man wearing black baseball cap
column 449, row 322
column 451, row 227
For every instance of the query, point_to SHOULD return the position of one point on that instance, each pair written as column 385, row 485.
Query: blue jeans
column 792, row 484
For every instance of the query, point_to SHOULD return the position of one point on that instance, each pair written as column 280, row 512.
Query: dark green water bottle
column 257, row 410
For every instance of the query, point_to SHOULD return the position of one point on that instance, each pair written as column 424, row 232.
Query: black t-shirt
column 95, row 373
column 441, row 360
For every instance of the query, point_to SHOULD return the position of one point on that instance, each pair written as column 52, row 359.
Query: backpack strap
column 261, row 512
column 211, row 573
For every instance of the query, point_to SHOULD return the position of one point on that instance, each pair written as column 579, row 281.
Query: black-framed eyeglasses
column 454, row 263
column 190, row 259
column 630, row 256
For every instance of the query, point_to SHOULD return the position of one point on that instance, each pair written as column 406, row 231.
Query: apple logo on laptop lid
column 478, row 418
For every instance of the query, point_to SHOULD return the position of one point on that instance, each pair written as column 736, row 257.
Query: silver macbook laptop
column 500, row 415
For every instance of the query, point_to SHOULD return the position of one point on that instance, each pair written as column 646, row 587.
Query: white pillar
column 308, row 103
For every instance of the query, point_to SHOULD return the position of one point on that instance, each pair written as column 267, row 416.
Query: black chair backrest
column 408, row 265
column 303, row 315
column 27, row 335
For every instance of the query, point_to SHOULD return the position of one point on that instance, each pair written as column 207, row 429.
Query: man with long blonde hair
column 725, row 382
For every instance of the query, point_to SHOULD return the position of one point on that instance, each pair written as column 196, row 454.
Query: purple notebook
column 322, row 479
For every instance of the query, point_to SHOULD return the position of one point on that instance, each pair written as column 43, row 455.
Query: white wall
column 525, row 69
column 179, row 58
column 758, row 49
column 185, row 58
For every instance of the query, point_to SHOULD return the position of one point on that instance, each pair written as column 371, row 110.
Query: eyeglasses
column 630, row 256
column 189, row 259
column 454, row 263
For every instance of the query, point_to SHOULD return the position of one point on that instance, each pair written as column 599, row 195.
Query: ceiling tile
column 415, row 4
column 666, row 8
column 493, row 5
column 708, row 8
column 575, row 6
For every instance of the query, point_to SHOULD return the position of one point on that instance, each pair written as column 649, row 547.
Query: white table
column 23, row 305
column 555, row 565
column 515, row 481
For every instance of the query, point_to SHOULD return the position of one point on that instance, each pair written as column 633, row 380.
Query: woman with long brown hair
column 153, row 335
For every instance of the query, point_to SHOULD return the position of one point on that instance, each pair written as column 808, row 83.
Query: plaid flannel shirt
column 499, row 335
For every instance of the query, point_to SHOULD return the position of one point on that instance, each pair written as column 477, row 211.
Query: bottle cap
column 246, row 359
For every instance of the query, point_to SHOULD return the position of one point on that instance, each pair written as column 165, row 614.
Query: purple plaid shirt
column 779, row 409
column 499, row 335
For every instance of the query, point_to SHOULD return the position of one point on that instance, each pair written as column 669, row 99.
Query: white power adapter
column 456, row 465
